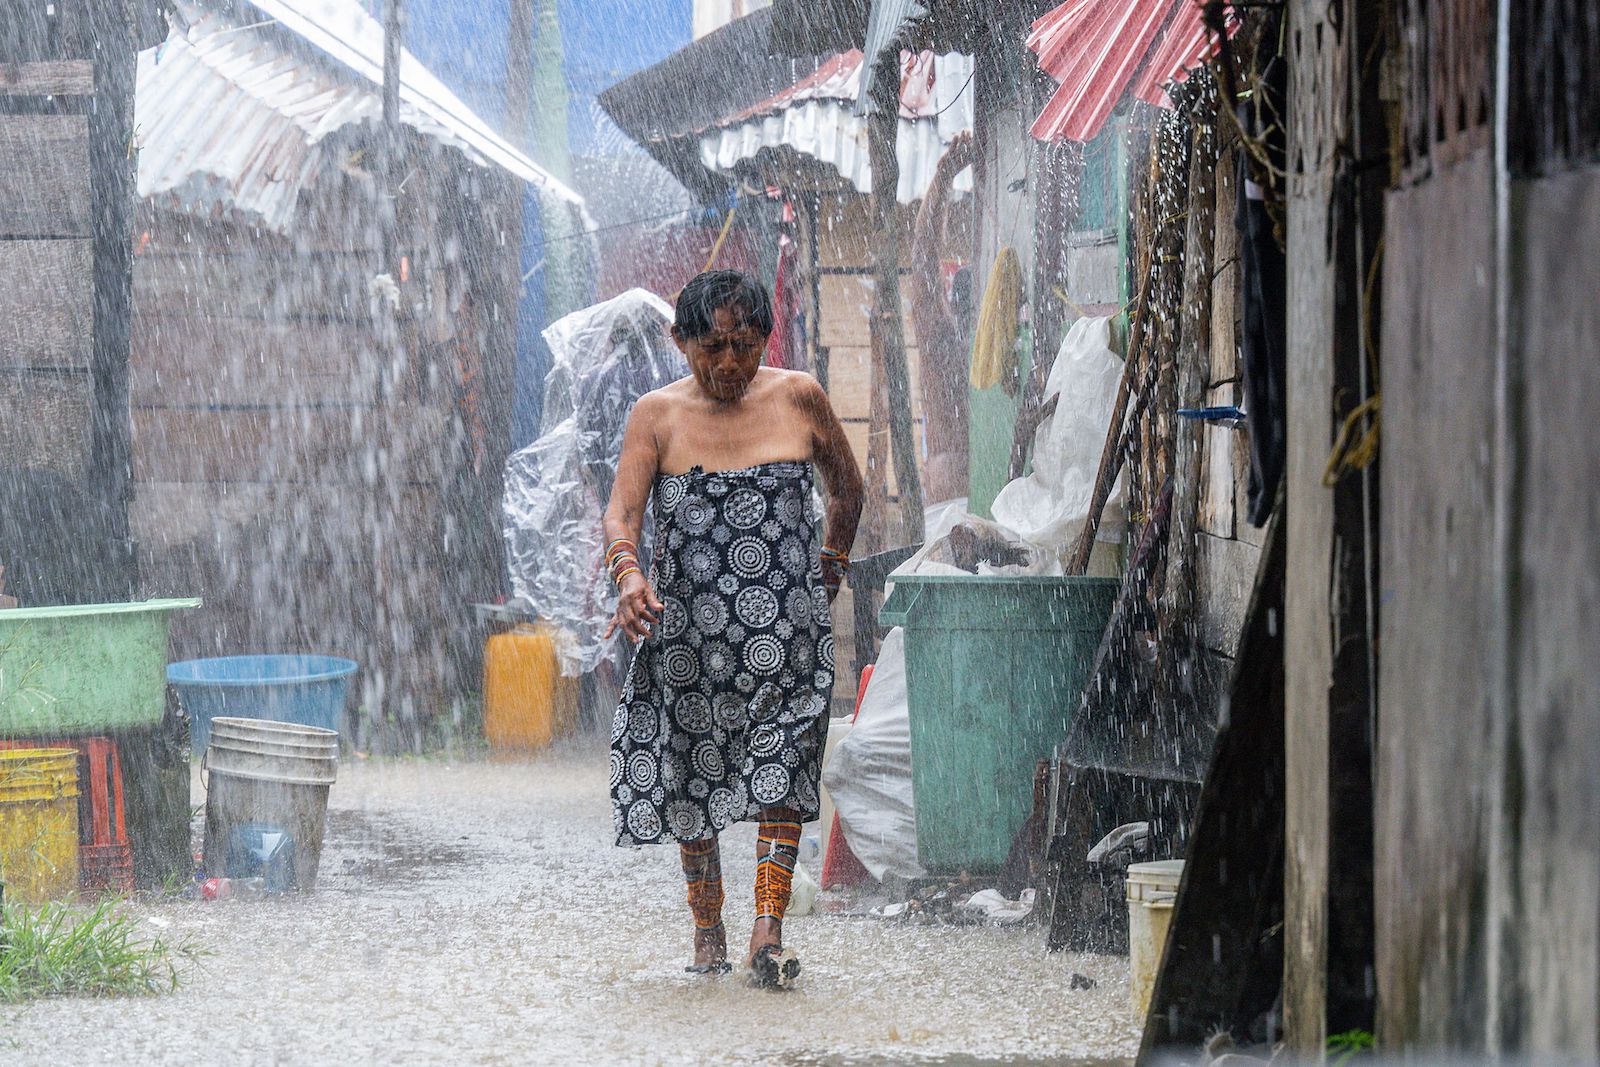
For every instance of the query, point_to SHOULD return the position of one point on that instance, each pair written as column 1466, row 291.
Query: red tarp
column 1100, row 49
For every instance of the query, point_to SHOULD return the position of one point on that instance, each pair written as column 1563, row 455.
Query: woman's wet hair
column 747, row 298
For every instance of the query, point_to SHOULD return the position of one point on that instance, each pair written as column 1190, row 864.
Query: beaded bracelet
column 835, row 565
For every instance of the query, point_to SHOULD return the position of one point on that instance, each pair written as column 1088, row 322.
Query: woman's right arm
column 637, row 605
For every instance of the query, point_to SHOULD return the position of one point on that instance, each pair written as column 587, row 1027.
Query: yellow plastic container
column 39, row 823
column 527, row 702
column 1152, row 888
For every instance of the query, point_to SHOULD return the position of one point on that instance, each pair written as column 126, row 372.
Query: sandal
column 721, row 966
column 774, row 967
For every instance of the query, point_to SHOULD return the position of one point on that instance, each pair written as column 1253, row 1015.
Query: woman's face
column 725, row 360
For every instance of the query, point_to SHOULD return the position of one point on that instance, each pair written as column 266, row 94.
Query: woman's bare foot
column 767, row 931
column 710, row 951
column 771, row 965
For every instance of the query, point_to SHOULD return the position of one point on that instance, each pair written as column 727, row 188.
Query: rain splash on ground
column 477, row 913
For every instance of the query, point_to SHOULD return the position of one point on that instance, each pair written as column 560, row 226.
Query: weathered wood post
column 889, row 373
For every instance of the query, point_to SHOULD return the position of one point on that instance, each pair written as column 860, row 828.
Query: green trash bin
column 995, row 667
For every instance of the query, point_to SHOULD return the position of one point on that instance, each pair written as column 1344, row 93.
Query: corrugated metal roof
column 233, row 115
column 817, row 117
column 1100, row 49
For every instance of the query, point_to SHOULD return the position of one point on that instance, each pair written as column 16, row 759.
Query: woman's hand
column 638, row 609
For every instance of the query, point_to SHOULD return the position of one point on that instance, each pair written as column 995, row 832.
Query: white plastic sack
column 1049, row 507
column 603, row 359
column 870, row 773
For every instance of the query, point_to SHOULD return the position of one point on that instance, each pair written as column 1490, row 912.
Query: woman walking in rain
column 725, row 711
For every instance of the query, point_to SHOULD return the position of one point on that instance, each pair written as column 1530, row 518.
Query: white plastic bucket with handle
column 261, row 771
column 1151, row 889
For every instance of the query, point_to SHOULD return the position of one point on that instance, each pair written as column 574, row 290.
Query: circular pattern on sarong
column 643, row 722
column 643, row 822
column 641, row 770
column 763, row 654
column 616, row 768
column 728, row 709
column 756, row 607
column 710, row 613
column 792, row 555
column 769, row 784
column 744, row 509
column 700, row 562
column 695, row 516
column 666, row 568
column 718, row 660
column 764, row 740
column 707, row 760
column 693, row 712
column 672, row 491
column 674, row 619
column 798, row 607
column 791, row 509
column 674, row 771
column 685, row 821
column 720, row 806
column 679, row 665
column 749, row 557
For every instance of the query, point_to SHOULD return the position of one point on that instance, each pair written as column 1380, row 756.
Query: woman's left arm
column 831, row 452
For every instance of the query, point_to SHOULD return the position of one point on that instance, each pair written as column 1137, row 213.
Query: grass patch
column 58, row 950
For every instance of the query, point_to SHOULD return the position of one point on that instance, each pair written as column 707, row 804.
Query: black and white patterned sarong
column 725, row 710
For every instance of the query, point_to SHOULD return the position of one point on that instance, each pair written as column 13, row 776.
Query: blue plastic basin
column 309, row 690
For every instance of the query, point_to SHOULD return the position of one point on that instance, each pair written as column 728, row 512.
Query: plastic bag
column 1048, row 507
column 869, row 776
column 603, row 359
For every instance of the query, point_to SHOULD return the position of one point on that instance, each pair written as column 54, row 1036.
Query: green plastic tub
column 84, row 668
column 994, row 670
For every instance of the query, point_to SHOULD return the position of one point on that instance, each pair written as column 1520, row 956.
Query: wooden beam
column 888, row 341
column 1224, row 949
column 1193, row 362
column 64, row 77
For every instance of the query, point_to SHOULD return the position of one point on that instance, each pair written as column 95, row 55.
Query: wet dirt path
column 477, row 913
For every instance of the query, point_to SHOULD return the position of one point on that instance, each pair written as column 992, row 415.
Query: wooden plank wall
column 309, row 490
column 66, row 83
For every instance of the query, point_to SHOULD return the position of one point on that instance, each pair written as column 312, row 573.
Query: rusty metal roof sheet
column 1101, row 49
column 239, row 115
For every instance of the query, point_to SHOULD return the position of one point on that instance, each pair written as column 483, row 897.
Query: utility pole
column 391, row 157
column 519, row 76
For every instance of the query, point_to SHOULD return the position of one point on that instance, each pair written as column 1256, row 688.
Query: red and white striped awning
column 1101, row 49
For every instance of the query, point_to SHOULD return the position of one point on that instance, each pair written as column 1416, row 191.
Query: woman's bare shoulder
column 802, row 389
column 667, row 395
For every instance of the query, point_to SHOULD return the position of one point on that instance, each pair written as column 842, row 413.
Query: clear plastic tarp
column 603, row 359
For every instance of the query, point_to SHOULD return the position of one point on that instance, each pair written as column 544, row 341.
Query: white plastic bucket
column 1151, row 889
column 269, row 772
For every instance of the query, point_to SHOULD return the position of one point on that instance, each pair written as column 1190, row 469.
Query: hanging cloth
column 994, row 347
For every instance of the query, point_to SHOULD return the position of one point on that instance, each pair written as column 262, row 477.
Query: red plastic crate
column 104, row 859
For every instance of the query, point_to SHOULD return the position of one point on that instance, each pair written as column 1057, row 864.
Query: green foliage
column 59, row 950
column 1342, row 1048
